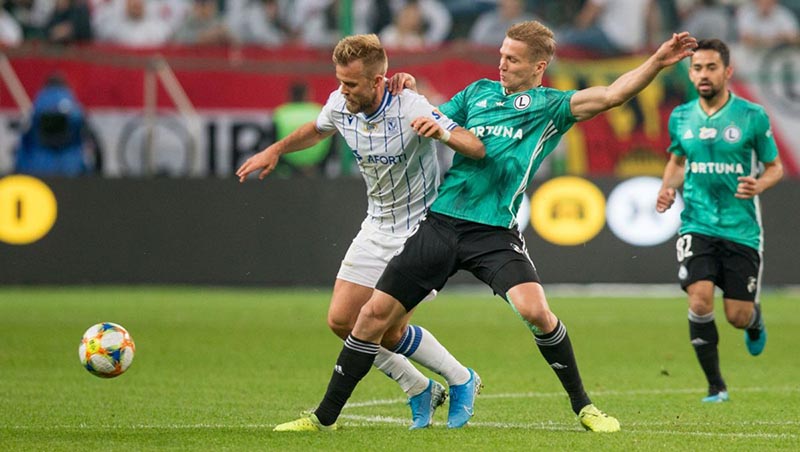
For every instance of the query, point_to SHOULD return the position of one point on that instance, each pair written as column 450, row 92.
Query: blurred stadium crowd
column 604, row 26
column 91, row 33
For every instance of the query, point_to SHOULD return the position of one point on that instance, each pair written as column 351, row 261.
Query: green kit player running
column 717, row 142
column 471, row 225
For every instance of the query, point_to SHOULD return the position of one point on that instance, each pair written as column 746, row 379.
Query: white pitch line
column 529, row 395
column 552, row 426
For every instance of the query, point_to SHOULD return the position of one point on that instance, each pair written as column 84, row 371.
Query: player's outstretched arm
column 589, row 102
column 671, row 181
column 750, row 186
column 459, row 139
column 265, row 161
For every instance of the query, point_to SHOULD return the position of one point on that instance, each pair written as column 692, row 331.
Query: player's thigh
column 741, row 268
column 699, row 259
column 426, row 261
column 498, row 257
column 368, row 255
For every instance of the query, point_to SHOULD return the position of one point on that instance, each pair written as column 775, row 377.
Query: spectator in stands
column 490, row 28
column 257, row 22
column 203, row 25
column 56, row 140
column 131, row 25
column 406, row 30
column 613, row 27
column 70, row 22
column 10, row 30
column 766, row 23
column 435, row 15
column 31, row 15
column 315, row 23
column 706, row 19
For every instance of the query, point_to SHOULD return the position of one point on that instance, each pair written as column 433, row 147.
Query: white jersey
column 399, row 167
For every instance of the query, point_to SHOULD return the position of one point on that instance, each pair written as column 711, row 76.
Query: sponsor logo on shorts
column 752, row 284
column 683, row 273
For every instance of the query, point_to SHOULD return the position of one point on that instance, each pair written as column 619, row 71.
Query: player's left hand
column 400, row 81
column 427, row 127
column 676, row 48
column 747, row 188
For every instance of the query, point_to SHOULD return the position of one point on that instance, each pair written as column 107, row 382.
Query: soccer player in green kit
column 717, row 142
column 471, row 225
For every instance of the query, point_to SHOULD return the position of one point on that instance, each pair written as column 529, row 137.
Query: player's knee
column 375, row 315
column 340, row 326
column 739, row 319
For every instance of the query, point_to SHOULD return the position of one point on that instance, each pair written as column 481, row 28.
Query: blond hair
column 540, row 39
column 366, row 48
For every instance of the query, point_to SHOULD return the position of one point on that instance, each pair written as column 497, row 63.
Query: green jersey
column 719, row 149
column 518, row 130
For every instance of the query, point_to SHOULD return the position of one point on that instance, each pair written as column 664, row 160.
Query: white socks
column 399, row 369
column 421, row 346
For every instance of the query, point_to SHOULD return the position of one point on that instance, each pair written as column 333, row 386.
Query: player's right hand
column 266, row 161
column 401, row 80
column 666, row 196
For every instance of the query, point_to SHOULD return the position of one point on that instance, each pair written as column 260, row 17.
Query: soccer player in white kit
column 392, row 138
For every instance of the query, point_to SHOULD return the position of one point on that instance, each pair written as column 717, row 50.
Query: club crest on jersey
column 522, row 101
column 732, row 134
column 391, row 126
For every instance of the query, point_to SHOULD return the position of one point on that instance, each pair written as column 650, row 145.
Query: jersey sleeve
column 325, row 118
column 417, row 105
column 674, row 140
column 558, row 103
column 455, row 108
column 764, row 142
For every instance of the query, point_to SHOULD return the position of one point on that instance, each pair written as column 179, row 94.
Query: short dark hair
column 718, row 46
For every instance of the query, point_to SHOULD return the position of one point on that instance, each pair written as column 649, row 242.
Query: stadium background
column 169, row 210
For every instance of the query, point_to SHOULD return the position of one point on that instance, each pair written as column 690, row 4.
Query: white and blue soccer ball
column 106, row 350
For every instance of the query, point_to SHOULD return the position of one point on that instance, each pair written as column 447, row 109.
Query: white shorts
column 368, row 255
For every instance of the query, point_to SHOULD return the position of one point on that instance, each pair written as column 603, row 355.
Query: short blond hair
column 367, row 48
column 540, row 39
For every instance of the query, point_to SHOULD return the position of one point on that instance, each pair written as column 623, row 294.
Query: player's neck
column 713, row 105
column 381, row 90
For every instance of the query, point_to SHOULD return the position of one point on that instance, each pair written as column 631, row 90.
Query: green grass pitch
column 219, row 368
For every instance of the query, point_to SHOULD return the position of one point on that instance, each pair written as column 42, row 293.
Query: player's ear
column 728, row 72
column 540, row 67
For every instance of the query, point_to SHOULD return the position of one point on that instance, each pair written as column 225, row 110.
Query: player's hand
column 666, row 197
column 427, row 127
column 400, row 81
column 676, row 48
column 747, row 188
column 266, row 161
